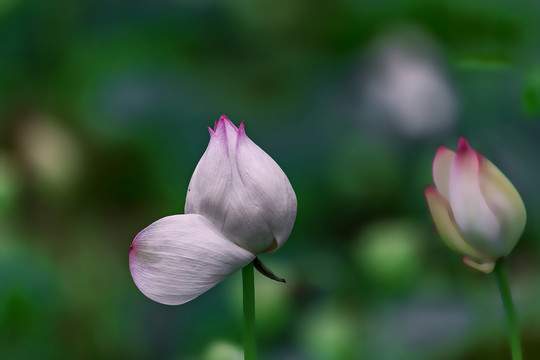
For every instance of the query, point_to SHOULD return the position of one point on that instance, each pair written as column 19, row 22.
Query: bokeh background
column 103, row 113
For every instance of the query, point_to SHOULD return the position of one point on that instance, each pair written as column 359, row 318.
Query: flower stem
column 248, row 282
column 511, row 319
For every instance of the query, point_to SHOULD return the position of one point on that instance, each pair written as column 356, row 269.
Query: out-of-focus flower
column 405, row 88
column 475, row 208
column 50, row 153
column 239, row 204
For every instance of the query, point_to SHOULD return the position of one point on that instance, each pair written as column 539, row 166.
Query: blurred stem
column 511, row 319
column 248, row 282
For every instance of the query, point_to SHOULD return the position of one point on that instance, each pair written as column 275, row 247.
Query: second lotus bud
column 475, row 208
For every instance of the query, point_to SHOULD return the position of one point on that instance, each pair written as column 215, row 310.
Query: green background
column 103, row 109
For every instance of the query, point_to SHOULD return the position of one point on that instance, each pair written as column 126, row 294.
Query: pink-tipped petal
column 473, row 215
column 504, row 201
column 446, row 226
column 463, row 145
column 208, row 190
column 179, row 257
column 231, row 133
column 228, row 134
column 441, row 169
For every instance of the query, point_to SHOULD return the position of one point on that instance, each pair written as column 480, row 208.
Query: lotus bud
column 242, row 191
column 239, row 204
column 475, row 208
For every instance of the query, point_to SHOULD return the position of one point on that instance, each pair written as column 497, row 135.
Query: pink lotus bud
column 475, row 208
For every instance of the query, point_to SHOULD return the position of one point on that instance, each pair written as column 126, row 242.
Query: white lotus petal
column 504, row 201
column 209, row 187
column 472, row 213
column 229, row 132
column 264, row 210
column 179, row 257
column 446, row 226
column 441, row 169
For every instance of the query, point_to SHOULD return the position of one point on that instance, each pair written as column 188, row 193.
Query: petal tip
column 463, row 145
column 441, row 149
column 486, row 267
column 225, row 122
column 134, row 242
column 430, row 190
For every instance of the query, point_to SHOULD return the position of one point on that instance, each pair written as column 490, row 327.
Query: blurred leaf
column 221, row 350
column 8, row 184
column 531, row 92
column 331, row 334
column 487, row 62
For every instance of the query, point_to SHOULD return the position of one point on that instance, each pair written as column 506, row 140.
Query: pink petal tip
column 431, row 192
column 132, row 250
column 441, row 149
column 441, row 153
column 224, row 121
column 463, row 145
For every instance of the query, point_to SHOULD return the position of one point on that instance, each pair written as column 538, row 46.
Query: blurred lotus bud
column 404, row 87
column 49, row 152
column 388, row 253
column 475, row 208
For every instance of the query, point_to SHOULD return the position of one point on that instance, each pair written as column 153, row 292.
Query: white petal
column 441, row 169
column 448, row 230
column 209, row 188
column 264, row 206
column 474, row 217
column 179, row 257
column 504, row 201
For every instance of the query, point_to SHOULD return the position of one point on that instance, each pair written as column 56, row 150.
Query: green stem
column 511, row 319
column 248, row 282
